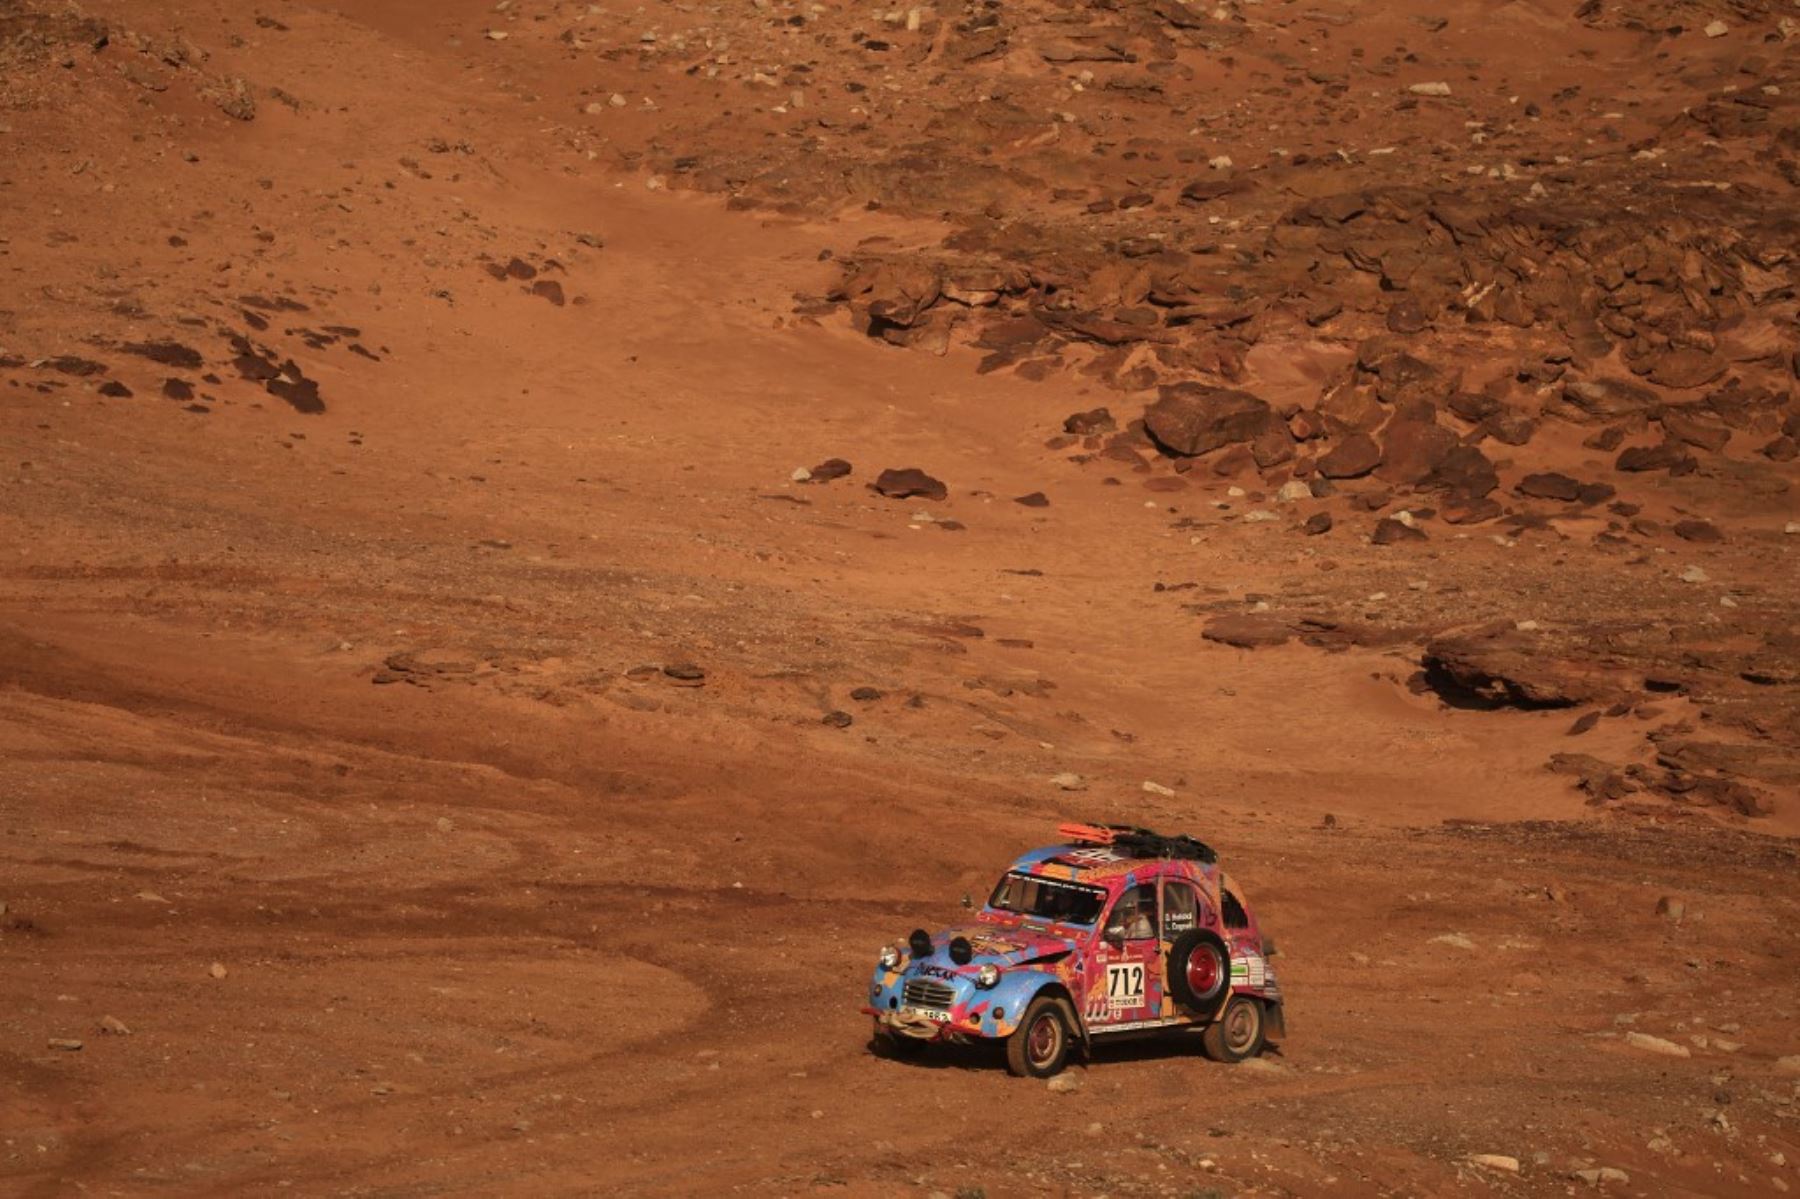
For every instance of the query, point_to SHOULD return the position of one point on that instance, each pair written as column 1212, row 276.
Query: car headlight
column 988, row 976
column 890, row 958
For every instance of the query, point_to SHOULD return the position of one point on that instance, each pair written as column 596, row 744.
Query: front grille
column 928, row 993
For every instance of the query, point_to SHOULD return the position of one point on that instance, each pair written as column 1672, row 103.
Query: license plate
column 927, row 1013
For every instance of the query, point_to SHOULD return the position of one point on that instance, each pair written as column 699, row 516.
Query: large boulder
column 1505, row 667
column 1194, row 418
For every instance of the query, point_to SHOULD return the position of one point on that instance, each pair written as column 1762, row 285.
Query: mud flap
column 1274, row 1021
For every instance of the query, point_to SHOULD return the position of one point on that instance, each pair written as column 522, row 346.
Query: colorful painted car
column 1118, row 932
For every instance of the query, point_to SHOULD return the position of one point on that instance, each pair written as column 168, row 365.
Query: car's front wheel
column 1237, row 1033
column 1039, row 1047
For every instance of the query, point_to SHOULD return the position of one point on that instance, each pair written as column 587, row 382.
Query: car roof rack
column 1134, row 842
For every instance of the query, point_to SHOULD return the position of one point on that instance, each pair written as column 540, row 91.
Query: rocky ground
column 536, row 536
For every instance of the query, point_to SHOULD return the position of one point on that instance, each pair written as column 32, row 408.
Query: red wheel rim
column 1203, row 971
column 1042, row 1042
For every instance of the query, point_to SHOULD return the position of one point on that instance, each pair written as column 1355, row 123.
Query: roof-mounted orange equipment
column 1086, row 834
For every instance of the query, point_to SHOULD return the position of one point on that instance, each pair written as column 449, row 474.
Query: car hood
column 1003, row 945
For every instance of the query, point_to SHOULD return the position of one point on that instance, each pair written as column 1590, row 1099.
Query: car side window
column 1181, row 909
column 1133, row 916
column 1235, row 916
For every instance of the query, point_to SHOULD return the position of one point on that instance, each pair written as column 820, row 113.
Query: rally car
column 1117, row 932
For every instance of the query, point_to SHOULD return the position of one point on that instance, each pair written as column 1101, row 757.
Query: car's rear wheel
column 1237, row 1033
column 1039, row 1047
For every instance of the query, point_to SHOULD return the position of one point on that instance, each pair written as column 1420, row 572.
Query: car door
column 1125, row 984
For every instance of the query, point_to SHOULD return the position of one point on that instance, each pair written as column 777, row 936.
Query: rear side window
column 1235, row 916
column 1181, row 909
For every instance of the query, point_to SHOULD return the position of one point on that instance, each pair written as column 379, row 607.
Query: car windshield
column 1048, row 899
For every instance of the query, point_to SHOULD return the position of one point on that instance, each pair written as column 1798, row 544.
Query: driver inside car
column 1134, row 916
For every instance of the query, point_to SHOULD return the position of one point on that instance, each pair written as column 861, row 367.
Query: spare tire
column 1199, row 972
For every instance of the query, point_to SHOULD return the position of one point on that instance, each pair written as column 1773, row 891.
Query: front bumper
column 907, row 1022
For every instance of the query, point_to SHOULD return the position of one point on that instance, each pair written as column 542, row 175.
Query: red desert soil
column 448, row 745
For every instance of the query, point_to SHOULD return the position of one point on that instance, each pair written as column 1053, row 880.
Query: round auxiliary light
column 890, row 957
column 988, row 976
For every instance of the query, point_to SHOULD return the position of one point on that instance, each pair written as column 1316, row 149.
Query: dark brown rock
column 1466, row 472
column 1469, row 510
column 1389, row 531
column 1550, row 486
column 168, row 353
column 1351, row 458
column 1247, row 630
column 1036, row 499
column 1685, row 367
column 1194, row 418
column 1701, row 434
column 1605, row 399
column 1407, row 316
column 1698, row 530
column 1317, row 523
column 1412, row 451
column 831, row 468
column 909, row 483
column 1505, row 667
column 1665, row 456
column 1097, row 420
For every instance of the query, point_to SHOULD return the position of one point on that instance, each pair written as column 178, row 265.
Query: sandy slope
column 347, row 702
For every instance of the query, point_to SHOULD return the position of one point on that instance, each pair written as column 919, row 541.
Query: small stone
column 66, row 1044
column 1650, row 1044
column 801, row 475
column 837, row 719
column 114, row 1027
column 1430, row 89
column 217, row 970
column 1793, row 527
column 1064, row 1084
column 497, row 35
column 445, row 824
column 1068, row 780
column 865, row 695
column 1673, row 909
column 1457, row 940
column 1158, row 788
column 685, row 672
column 1258, row 516
column 1788, row 1065
column 1694, row 574
column 1717, row 29
column 1036, row 499
column 1317, row 523
column 1293, row 490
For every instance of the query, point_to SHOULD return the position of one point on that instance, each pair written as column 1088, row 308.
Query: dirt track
column 367, row 707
